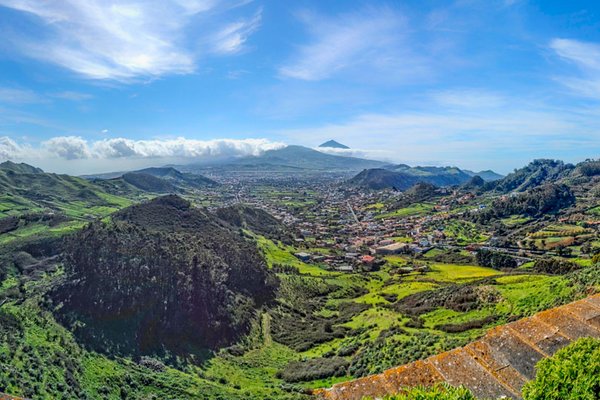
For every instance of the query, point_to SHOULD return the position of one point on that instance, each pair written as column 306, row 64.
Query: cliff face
column 497, row 365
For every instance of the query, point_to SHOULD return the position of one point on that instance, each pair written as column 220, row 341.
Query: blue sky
column 89, row 86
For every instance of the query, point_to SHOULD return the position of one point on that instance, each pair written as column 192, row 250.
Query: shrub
column 316, row 368
column 494, row 259
column 438, row 392
column 468, row 325
column 555, row 266
column 572, row 373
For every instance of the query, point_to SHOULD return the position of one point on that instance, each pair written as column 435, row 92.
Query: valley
column 270, row 285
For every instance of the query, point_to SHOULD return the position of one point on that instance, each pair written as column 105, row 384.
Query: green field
column 413, row 210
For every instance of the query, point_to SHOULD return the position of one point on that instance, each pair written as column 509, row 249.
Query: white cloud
column 9, row 149
column 369, row 41
column 67, row 147
column 586, row 56
column 181, row 148
column 78, row 148
column 232, row 38
column 119, row 40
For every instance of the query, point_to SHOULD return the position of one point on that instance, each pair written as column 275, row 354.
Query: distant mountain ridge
column 487, row 175
column 158, row 179
column 292, row 159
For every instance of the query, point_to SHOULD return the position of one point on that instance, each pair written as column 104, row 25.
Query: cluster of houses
column 344, row 232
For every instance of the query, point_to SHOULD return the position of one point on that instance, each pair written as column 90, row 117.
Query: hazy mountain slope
column 178, row 178
column 156, row 179
column 186, row 280
column 487, row 175
column 148, row 183
column 378, row 178
column 292, row 159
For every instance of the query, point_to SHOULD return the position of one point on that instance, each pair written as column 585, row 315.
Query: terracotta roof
column 497, row 365
column 9, row 397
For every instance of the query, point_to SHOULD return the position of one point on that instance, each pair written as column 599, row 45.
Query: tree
column 572, row 373
column 494, row 259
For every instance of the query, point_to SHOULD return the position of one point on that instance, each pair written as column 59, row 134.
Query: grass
column 464, row 232
column 515, row 220
column 254, row 371
column 459, row 273
column 277, row 253
column 402, row 239
column 527, row 294
column 445, row 316
column 377, row 318
column 413, row 210
column 375, row 206
column 401, row 290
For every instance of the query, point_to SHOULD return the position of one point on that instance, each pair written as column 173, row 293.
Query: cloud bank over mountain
column 67, row 153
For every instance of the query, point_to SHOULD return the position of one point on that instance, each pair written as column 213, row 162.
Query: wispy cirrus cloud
column 586, row 57
column 468, row 98
column 72, row 96
column 121, row 40
column 232, row 38
column 369, row 41
column 10, row 95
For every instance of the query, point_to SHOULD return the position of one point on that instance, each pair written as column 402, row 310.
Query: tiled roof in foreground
column 496, row 366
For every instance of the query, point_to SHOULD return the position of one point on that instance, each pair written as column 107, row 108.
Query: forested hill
column 160, row 277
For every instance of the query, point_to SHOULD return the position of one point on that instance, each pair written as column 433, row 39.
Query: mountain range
column 402, row 177
column 535, row 174
column 291, row 159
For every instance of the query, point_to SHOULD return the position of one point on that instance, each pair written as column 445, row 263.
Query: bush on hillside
column 589, row 168
column 438, row 392
column 555, row 266
column 494, row 259
column 572, row 373
column 316, row 368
